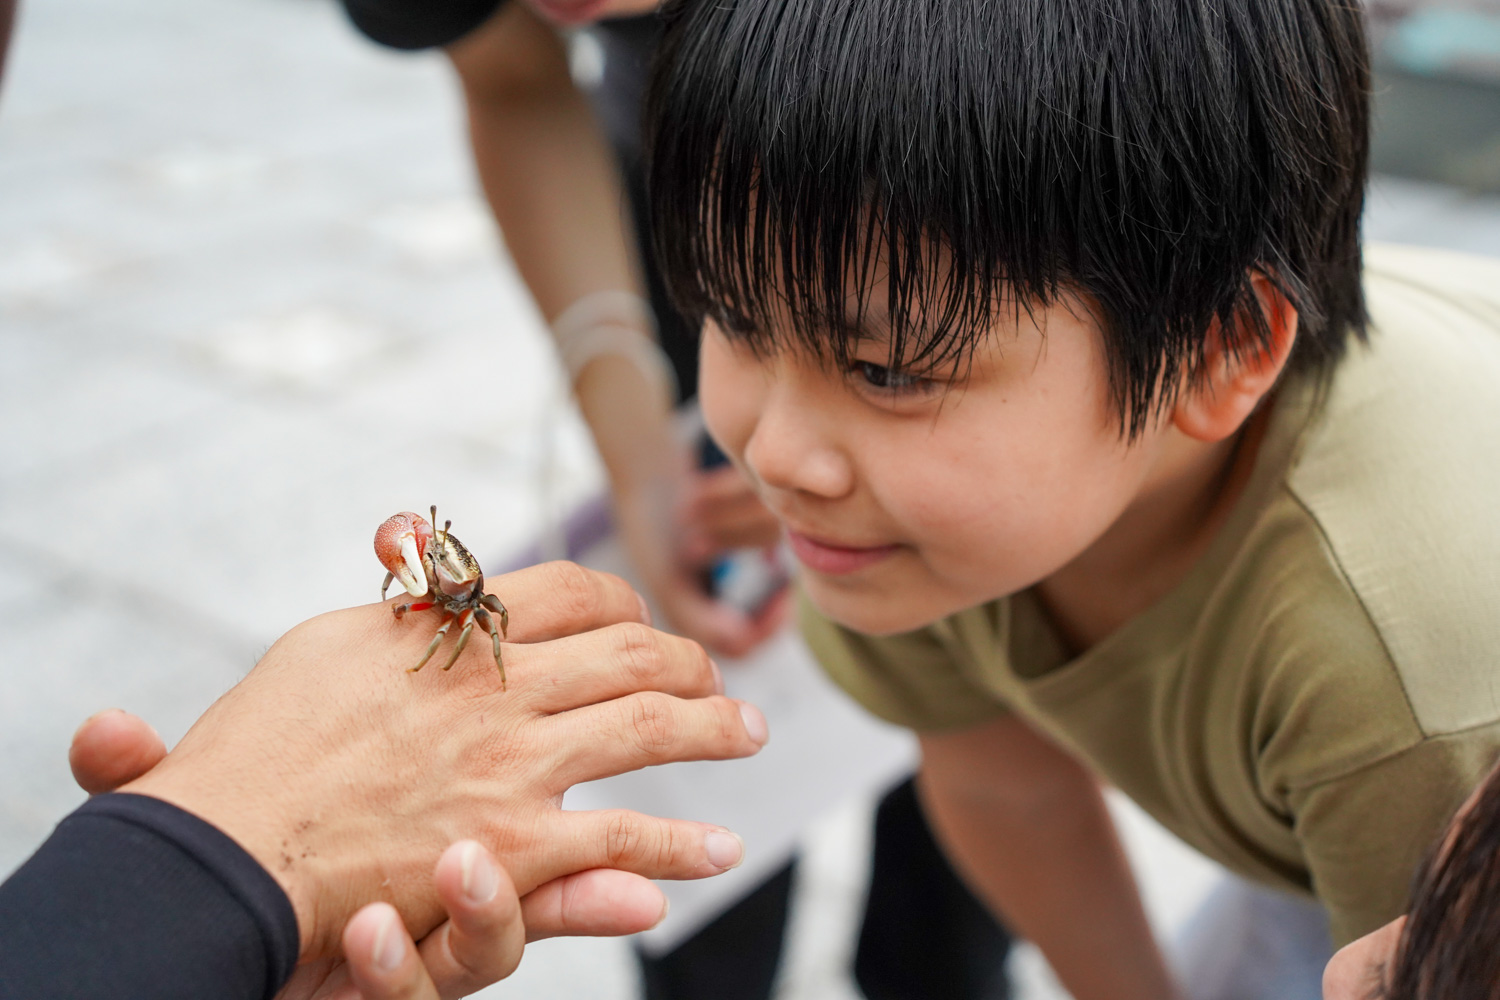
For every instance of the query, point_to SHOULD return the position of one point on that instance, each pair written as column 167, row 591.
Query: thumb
column 113, row 748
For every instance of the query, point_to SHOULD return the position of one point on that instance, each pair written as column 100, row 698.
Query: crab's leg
column 437, row 640
column 493, row 603
column 387, row 585
column 467, row 621
column 489, row 623
column 402, row 609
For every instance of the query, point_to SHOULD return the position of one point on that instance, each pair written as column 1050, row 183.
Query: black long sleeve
column 134, row 898
column 418, row 24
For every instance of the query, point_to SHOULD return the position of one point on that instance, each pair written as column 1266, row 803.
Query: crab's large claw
column 400, row 544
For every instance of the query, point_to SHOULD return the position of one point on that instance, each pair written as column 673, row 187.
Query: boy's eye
column 890, row 380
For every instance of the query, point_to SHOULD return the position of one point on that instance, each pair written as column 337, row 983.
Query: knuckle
column 623, row 839
column 573, row 590
column 638, row 652
column 653, row 722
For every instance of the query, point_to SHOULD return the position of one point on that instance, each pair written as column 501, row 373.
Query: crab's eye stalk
column 400, row 544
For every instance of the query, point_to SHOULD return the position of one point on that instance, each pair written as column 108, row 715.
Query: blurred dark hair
column 1450, row 946
column 988, row 154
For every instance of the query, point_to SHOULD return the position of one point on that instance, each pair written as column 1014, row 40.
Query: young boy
column 1043, row 327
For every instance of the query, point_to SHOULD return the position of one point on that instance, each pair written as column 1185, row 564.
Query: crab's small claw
column 400, row 544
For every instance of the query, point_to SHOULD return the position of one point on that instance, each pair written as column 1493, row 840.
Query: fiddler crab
column 430, row 562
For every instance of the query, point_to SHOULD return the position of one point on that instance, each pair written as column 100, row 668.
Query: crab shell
column 458, row 573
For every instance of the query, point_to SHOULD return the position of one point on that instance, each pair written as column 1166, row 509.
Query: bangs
column 983, row 156
column 795, row 186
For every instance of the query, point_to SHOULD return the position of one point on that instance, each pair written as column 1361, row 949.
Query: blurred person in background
column 563, row 174
column 1447, row 946
column 168, row 890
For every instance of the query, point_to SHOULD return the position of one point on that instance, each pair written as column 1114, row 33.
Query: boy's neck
column 1156, row 541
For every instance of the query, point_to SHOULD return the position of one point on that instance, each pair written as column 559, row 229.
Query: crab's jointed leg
column 387, row 585
column 489, row 623
column 437, row 641
column 467, row 621
column 493, row 603
column 402, row 609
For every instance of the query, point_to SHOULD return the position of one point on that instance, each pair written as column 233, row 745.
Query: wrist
column 275, row 845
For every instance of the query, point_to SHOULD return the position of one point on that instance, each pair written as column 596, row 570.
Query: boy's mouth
column 835, row 560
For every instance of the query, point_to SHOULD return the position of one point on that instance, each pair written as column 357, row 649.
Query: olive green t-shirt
column 1314, row 700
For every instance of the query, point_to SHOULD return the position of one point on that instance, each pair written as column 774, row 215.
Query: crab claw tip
column 409, row 571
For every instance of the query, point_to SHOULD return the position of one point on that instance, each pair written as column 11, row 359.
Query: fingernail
column 755, row 723
column 645, row 610
column 666, row 907
column 480, row 880
column 725, row 850
column 390, row 943
column 718, row 677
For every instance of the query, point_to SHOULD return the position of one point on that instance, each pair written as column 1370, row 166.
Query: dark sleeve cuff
column 133, row 897
column 418, row 24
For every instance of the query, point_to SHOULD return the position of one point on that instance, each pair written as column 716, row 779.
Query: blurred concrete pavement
column 241, row 261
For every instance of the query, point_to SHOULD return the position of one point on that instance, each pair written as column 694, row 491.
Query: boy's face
column 907, row 500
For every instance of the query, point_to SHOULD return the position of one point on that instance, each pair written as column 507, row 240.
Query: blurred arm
column 554, row 189
column 1028, row 827
column 553, row 185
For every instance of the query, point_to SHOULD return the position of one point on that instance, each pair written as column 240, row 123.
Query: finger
column 598, row 903
column 113, row 748
column 609, row 663
column 727, row 531
column 723, row 483
column 648, row 728
column 644, row 845
column 383, row 962
column 721, row 627
column 484, row 937
column 555, row 599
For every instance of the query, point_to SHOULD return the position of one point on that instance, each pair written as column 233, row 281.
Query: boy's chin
column 872, row 612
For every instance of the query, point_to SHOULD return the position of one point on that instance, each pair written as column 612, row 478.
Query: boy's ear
column 1229, row 387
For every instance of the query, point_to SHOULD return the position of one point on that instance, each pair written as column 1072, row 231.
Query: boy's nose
column 788, row 451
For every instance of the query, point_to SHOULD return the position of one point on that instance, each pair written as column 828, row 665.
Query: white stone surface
column 249, row 305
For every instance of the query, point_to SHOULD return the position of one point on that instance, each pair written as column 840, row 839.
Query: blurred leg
column 925, row 936
column 733, row 958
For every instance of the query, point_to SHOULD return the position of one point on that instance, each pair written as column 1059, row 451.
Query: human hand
column 488, row 923
column 720, row 512
column 675, row 531
column 346, row 776
column 482, row 942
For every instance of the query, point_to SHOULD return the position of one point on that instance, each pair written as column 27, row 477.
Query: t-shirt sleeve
column 1365, row 833
column 132, row 897
column 418, row 24
column 916, row 680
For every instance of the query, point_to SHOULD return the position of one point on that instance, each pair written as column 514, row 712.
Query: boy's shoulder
column 1399, row 476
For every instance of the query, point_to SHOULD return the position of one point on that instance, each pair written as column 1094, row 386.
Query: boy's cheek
column 730, row 392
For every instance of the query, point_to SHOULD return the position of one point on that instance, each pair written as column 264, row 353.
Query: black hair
column 992, row 154
column 1450, row 946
